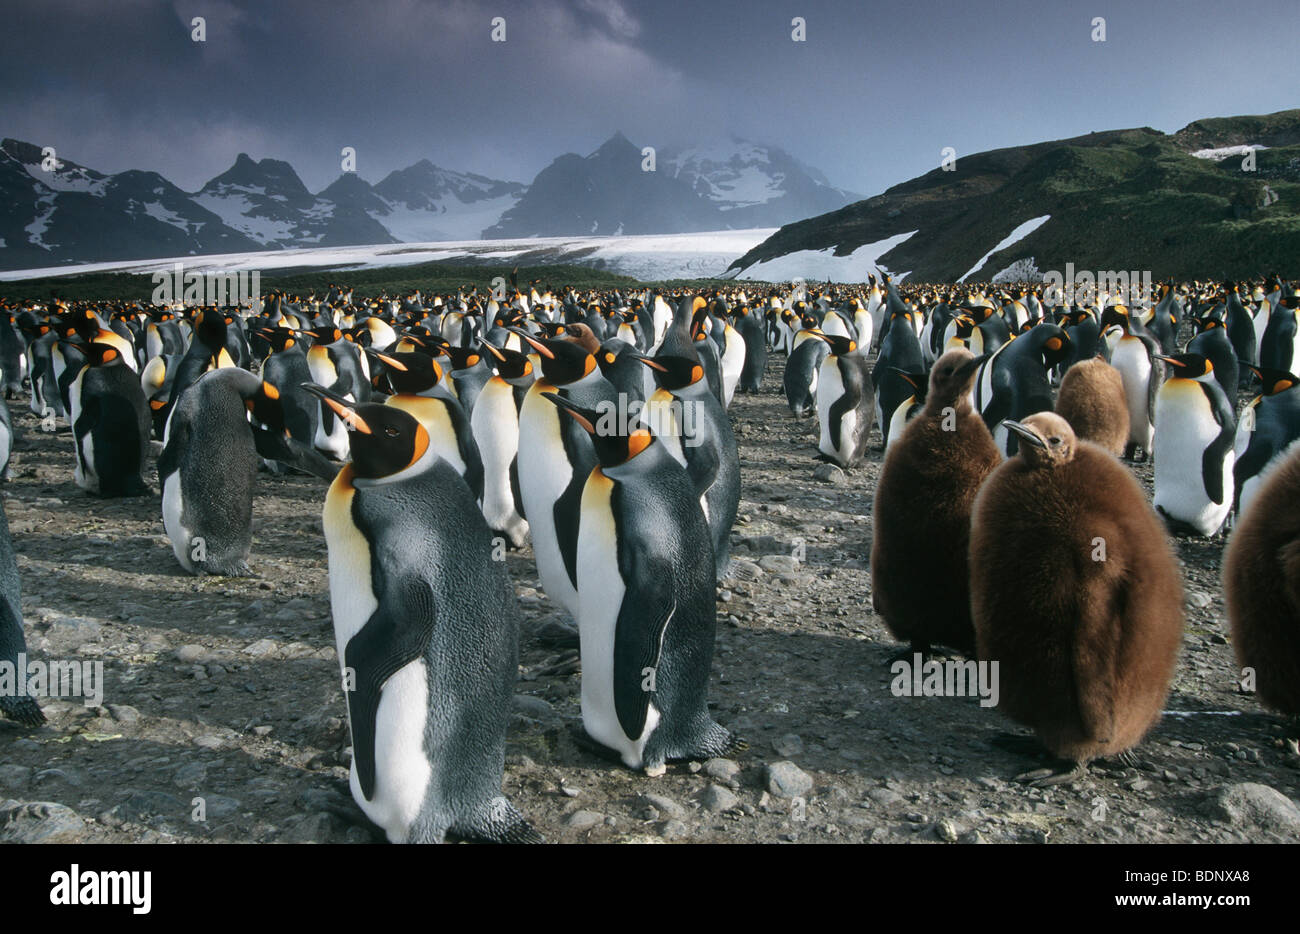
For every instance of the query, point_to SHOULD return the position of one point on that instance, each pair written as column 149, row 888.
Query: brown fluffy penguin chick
column 1086, row 629
column 1261, row 579
column 1092, row 400
column 921, row 518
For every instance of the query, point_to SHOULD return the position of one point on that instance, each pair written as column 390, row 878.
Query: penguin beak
column 1169, row 360
column 582, row 416
column 650, row 362
column 535, row 344
column 1025, row 432
column 493, row 350
column 340, row 407
column 387, row 361
column 907, row 377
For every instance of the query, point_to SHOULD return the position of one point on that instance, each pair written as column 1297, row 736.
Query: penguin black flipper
column 395, row 635
column 638, row 646
column 514, row 486
column 1215, row 453
column 293, row 453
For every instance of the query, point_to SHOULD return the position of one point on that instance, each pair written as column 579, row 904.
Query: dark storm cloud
column 871, row 97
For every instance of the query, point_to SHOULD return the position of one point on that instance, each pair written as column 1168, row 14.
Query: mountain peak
column 616, row 145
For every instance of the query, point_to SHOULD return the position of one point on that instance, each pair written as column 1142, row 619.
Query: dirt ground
column 227, row 690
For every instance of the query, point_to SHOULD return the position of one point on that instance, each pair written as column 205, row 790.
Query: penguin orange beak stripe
column 1169, row 360
column 536, row 345
column 569, row 407
column 652, row 363
column 340, row 408
column 396, row 364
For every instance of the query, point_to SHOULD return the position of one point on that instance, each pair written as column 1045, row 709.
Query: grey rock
column 143, row 805
column 718, row 799
column 742, row 569
column 1199, row 600
column 946, row 831
column 190, row 774
column 664, row 805
column 189, row 654
column 778, row 564
column 124, row 713
column 830, row 473
column 722, row 770
column 321, row 827
column 1250, row 805
column 885, row 797
column 40, row 822
column 220, row 806
column 787, row 780
column 583, row 820
column 260, row 649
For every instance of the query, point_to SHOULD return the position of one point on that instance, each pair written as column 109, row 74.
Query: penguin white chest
column 496, row 430
column 1185, row 427
column 173, row 507
column 601, row 591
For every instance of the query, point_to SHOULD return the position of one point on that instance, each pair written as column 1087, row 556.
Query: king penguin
column 1267, row 432
column 1086, row 633
column 495, row 422
column 1195, row 429
column 110, row 424
column 646, row 615
column 920, row 582
column 845, row 403
column 426, row 633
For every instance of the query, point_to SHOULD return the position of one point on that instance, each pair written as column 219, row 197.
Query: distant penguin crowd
column 595, row 428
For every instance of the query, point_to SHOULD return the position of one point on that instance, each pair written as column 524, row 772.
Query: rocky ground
column 227, row 690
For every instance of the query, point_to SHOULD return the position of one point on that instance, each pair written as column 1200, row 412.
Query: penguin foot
column 735, row 746
column 598, row 749
column 1047, row 777
column 22, row 710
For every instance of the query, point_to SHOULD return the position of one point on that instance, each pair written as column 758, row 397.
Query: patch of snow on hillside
column 452, row 219
column 1015, row 236
column 160, row 213
column 232, row 209
column 823, row 266
column 1218, row 155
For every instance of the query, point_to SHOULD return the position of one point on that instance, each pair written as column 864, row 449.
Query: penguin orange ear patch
column 1053, row 343
column 270, row 391
column 109, row 355
column 637, row 442
column 609, row 357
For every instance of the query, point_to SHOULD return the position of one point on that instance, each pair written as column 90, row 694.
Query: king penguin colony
column 591, row 431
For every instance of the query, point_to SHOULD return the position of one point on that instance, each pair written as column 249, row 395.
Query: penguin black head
column 210, row 328
column 1188, row 365
column 463, row 358
column 101, row 354
column 673, row 372
column 412, row 373
column 840, row 345
column 1047, row 440
column 323, row 335
column 952, row 376
column 1275, row 381
column 279, row 338
column 563, row 361
column 265, row 405
column 509, row 364
column 612, row 446
column 384, row 439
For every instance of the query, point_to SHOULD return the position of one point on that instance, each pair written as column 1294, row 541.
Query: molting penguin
column 646, row 614
column 1091, row 399
column 845, row 403
column 110, row 425
column 1195, row 430
column 427, row 637
column 1086, row 634
column 209, row 462
column 920, row 583
column 1261, row 568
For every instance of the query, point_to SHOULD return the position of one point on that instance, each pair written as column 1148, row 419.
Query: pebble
column 722, row 770
column 718, row 799
column 673, row 830
column 787, row 780
column 830, row 473
column 123, row 713
column 664, row 805
column 583, row 820
column 189, row 654
column 260, row 649
column 945, row 831
column 40, row 822
column 778, row 564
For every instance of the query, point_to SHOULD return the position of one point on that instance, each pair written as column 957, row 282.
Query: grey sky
column 872, row 96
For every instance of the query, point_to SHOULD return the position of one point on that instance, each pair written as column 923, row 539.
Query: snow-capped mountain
column 754, row 185
column 74, row 214
column 268, row 202
column 426, row 203
column 730, row 185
